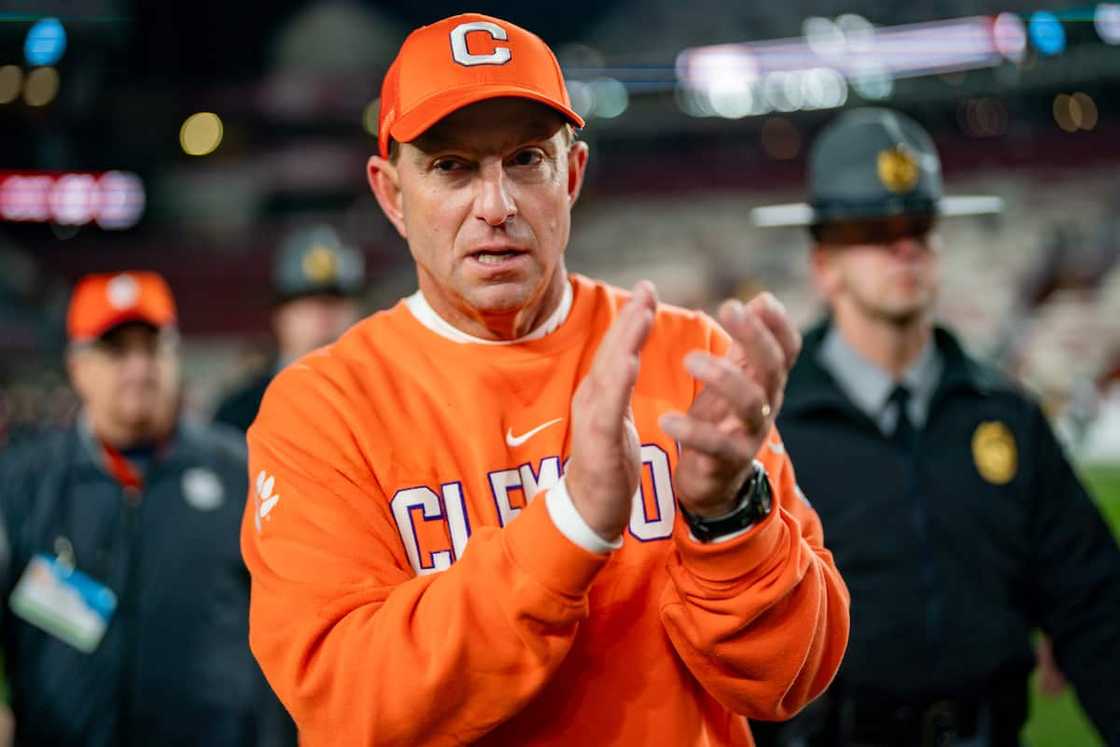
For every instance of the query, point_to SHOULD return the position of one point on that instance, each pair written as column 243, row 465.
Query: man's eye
column 448, row 165
column 531, row 157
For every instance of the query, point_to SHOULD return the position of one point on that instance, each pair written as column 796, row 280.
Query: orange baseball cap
column 459, row 61
column 101, row 302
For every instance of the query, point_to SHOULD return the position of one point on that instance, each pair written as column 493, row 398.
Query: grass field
column 1060, row 722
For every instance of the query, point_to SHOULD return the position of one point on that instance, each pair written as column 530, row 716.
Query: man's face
column 310, row 322
column 894, row 279
column 128, row 379
column 484, row 199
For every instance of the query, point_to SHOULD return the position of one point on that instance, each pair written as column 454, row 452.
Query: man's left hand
column 732, row 416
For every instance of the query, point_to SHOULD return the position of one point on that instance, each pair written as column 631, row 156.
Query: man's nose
column 909, row 246
column 494, row 203
column 137, row 361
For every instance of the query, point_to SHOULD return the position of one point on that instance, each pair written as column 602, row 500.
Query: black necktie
column 904, row 431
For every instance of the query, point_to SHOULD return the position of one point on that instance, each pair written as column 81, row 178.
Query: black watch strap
column 755, row 498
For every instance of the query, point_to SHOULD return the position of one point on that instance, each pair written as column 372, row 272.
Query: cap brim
column 777, row 216
column 958, row 205
column 802, row 213
column 128, row 317
column 416, row 122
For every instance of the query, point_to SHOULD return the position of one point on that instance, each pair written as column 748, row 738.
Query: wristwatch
column 754, row 501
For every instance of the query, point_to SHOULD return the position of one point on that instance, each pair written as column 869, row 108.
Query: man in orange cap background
column 123, row 358
column 128, row 602
column 522, row 506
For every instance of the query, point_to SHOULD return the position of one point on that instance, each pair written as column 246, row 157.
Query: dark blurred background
column 191, row 137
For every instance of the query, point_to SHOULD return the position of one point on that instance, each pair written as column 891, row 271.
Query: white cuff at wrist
column 568, row 520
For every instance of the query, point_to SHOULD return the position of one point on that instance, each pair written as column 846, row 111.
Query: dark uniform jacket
column 955, row 551
column 174, row 667
column 239, row 408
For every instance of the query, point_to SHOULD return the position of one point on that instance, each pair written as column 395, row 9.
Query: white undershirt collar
column 420, row 308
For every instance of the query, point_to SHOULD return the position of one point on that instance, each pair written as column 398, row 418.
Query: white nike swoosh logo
column 515, row 441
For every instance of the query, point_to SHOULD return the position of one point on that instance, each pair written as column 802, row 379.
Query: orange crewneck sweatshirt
column 411, row 588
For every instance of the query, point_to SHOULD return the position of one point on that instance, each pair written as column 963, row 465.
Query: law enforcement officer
column 951, row 510
column 317, row 281
column 125, row 616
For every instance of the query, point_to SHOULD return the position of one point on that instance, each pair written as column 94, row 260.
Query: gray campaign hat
column 873, row 163
column 313, row 261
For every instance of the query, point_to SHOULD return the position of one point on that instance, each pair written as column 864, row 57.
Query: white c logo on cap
column 462, row 55
column 122, row 291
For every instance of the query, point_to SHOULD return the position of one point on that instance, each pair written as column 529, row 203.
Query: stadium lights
column 1010, row 36
column 1106, row 19
column 1047, row 33
column 902, row 51
column 602, row 98
column 611, row 98
column 113, row 199
column 735, row 97
column 45, row 42
column 41, row 86
column 11, row 82
column 201, row 134
column 1076, row 112
column 753, row 78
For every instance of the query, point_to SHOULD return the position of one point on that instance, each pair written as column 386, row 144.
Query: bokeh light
column 611, row 98
column 1106, row 19
column 201, row 134
column 1063, row 113
column 11, row 82
column 823, row 36
column 45, row 42
column 121, row 200
column 1087, row 109
column 583, row 98
column 41, row 86
column 873, row 82
column 1047, row 33
column 1075, row 112
column 1009, row 34
column 859, row 34
column 983, row 117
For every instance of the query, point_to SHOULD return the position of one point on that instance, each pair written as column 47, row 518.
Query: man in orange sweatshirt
column 522, row 506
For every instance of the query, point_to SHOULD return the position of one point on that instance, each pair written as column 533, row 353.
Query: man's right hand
column 605, row 467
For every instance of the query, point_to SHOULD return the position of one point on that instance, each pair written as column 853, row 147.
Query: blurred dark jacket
column 174, row 667
column 949, row 571
column 239, row 408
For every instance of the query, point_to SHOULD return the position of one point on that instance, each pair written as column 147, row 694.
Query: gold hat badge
column 320, row 265
column 994, row 451
column 898, row 169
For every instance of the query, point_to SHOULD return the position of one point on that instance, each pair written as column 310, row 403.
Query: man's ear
column 577, row 167
column 822, row 261
column 384, row 182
